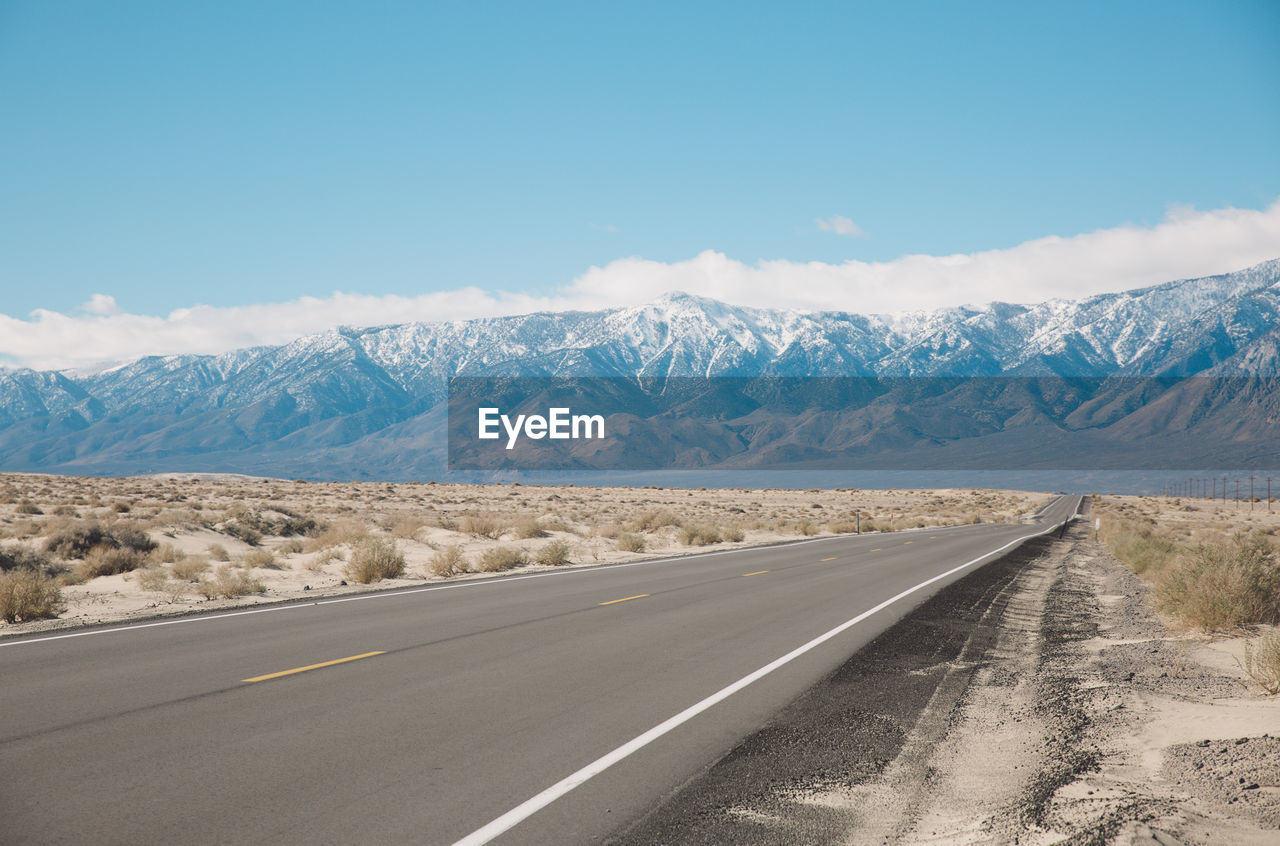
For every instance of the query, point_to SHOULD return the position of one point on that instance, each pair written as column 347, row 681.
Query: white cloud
column 1186, row 243
column 101, row 304
column 840, row 225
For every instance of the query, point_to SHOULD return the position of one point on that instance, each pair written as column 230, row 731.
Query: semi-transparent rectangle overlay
column 864, row 423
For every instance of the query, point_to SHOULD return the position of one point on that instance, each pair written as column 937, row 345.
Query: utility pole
column 1268, row 493
column 1237, row 493
column 1250, row 491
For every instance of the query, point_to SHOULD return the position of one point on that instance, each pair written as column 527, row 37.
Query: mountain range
column 370, row 402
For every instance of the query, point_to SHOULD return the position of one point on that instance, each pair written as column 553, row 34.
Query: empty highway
column 546, row 708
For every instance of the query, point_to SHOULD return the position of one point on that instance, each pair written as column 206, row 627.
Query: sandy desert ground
column 1197, row 518
column 271, row 540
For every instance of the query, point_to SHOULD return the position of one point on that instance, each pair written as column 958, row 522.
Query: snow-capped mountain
column 354, row 389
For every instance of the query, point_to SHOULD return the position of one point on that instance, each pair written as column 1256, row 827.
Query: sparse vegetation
column 110, row 561
column 153, row 578
column 20, row 556
column 1214, row 583
column 448, row 561
column 1224, row 585
column 344, row 531
column 699, row 535
column 373, row 560
column 631, row 542
column 483, row 525
column 654, row 519
column 260, row 558
column 292, row 546
column 312, row 528
column 27, row 594
column 190, row 569
column 408, row 527
column 79, row 539
column 1262, row 661
column 528, row 527
column 553, row 554
column 501, row 558
column 228, row 584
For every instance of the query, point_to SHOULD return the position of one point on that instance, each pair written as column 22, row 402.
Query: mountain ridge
column 344, row 385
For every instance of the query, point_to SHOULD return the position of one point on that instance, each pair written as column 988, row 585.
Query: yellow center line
column 313, row 667
column 904, row 543
column 877, row 549
column 625, row 599
column 829, row 559
column 756, row 573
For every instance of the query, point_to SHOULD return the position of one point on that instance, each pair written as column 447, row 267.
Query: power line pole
column 1250, row 491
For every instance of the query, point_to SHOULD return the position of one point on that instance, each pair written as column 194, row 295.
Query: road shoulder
column 1038, row 700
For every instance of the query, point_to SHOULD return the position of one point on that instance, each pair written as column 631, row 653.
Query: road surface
column 544, row 708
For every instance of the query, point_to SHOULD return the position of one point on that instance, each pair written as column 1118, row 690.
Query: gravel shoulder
column 1039, row 700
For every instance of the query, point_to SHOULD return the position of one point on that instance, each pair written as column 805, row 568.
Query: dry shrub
column 323, row 557
column 166, row 553
column 653, row 519
column 19, row 556
column 373, row 560
column 228, row 584
column 408, row 527
column 699, row 535
column 1139, row 546
column 244, row 533
column 805, row 527
column 553, row 554
column 528, row 527
column 27, row 594
column 483, row 525
column 153, row 578
column 448, row 561
column 261, row 558
column 733, row 534
column 77, row 540
column 27, row 507
column 1262, row 661
column 501, row 558
column 109, row 561
column 290, row 547
column 631, row 542
column 554, row 523
column 191, row 568
column 1218, row 586
column 843, row 527
column 339, row 532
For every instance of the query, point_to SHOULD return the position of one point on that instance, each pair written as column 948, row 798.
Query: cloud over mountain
column 1186, row 243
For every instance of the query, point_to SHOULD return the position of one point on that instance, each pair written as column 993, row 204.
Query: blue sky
column 173, row 154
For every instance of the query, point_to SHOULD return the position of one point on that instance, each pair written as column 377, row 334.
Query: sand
column 203, row 522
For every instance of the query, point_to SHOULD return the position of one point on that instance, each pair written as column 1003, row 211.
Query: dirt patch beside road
column 1038, row 700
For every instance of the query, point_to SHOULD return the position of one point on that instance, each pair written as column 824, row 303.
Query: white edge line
column 301, row 602
column 531, row 806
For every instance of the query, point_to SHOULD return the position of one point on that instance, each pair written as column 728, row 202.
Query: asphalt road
column 461, row 704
